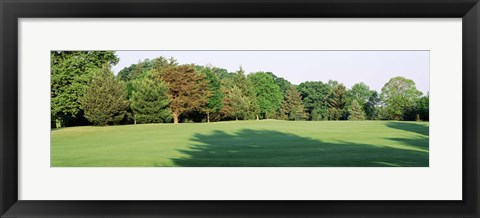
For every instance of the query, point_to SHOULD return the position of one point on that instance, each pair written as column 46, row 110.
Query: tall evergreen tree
column 247, row 88
column 239, row 98
column 150, row 101
column 292, row 107
column 240, row 103
column 187, row 88
column 215, row 102
column 355, row 112
column 105, row 100
column 371, row 106
column 226, row 87
column 336, row 102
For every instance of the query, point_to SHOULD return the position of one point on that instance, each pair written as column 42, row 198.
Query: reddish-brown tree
column 188, row 89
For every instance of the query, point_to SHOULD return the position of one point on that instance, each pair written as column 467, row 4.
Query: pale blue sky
column 374, row 68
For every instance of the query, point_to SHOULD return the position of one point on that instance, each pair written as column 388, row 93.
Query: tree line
column 85, row 91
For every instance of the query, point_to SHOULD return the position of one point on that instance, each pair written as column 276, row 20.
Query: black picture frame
column 12, row 10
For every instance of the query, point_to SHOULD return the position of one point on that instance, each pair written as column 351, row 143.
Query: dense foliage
column 71, row 72
column 267, row 93
column 187, row 89
column 314, row 97
column 215, row 103
column 240, row 101
column 399, row 96
column 336, row 102
column 292, row 106
column 105, row 99
column 150, row 101
column 355, row 112
column 85, row 91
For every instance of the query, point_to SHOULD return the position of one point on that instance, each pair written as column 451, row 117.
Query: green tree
column 137, row 72
column 162, row 62
column 215, row 101
column 150, row 101
column 419, row 111
column 356, row 112
column 422, row 107
column 187, row 88
column 360, row 92
column 240, row 103
column 226, row 87
column 221, row 73
column 332, row 83
column 70, row 73
column 336, row 102
column 314, row 97
column 399, row 95
column 371, row 106
column 292, row 107
column 268, row 94
column 239, row 100
column 247, row 88
column 281, row 82
column 105, row 99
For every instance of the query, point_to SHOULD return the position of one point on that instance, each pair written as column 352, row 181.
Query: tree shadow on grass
column 267, row 148
column 410, row 126
column 418, row 144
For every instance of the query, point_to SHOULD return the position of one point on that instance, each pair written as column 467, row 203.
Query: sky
column 373, row 68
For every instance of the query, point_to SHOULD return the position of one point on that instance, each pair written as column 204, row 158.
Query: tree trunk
column 257, row 117
column 236, row 118
column 208, row 117
column 58, row 123
column 175, row 117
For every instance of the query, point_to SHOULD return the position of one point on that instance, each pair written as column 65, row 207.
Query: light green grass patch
column 266, row 143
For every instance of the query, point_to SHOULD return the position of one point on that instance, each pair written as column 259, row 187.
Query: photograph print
column 239, row 108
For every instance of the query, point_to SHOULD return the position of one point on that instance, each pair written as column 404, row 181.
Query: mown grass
column 266, row 143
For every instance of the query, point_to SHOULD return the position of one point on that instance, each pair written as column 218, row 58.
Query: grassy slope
column 244, row 143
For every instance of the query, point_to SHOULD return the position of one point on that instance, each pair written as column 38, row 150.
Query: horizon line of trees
column 85, row 91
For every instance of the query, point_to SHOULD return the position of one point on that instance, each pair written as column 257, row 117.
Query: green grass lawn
column 268, row 143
